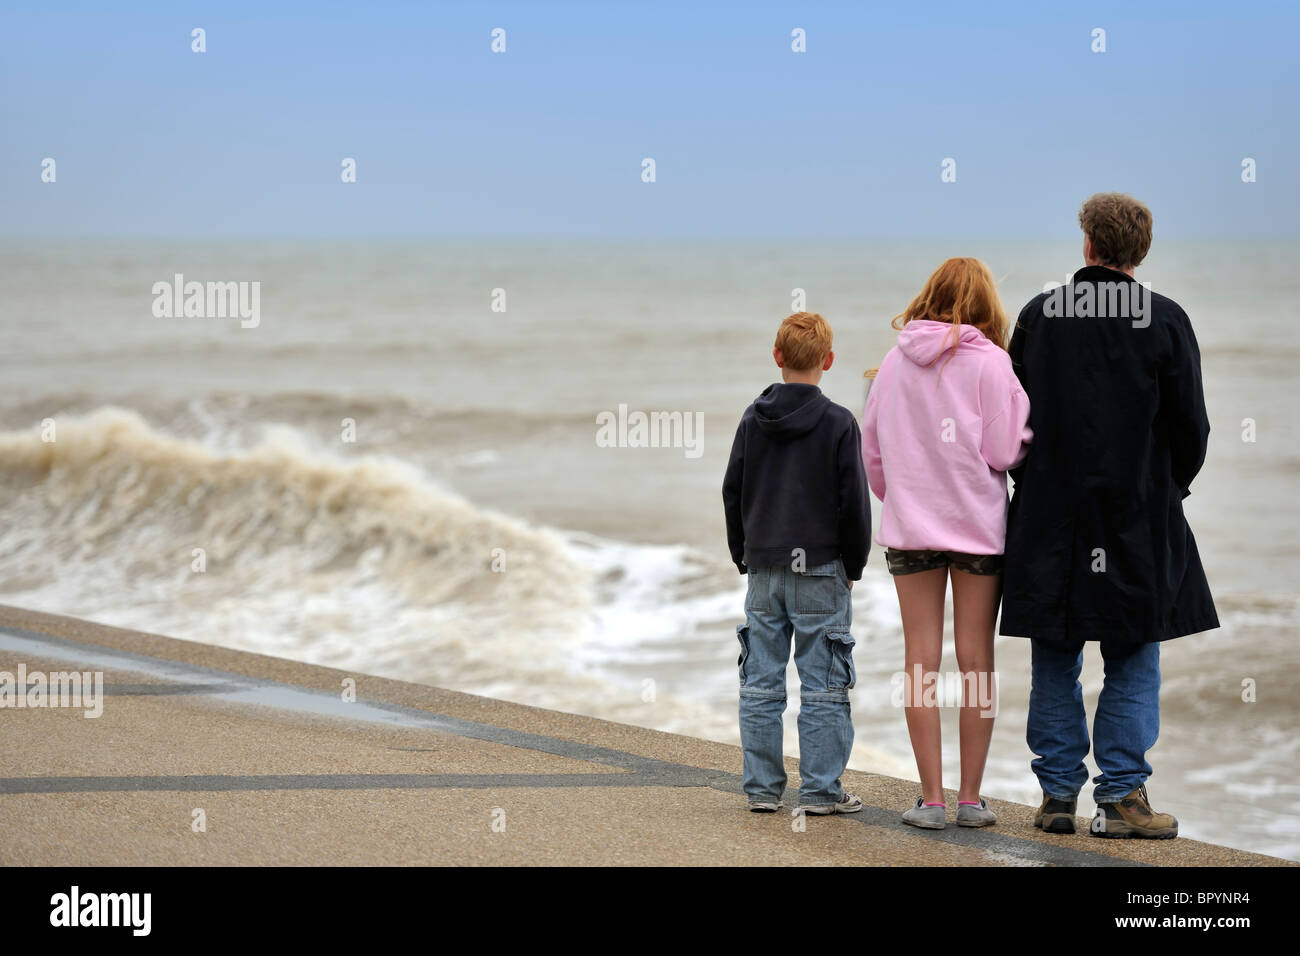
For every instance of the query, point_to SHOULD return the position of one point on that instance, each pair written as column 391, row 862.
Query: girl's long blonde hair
column 961, row 291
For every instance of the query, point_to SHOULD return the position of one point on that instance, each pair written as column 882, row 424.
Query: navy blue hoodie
column 795, row 480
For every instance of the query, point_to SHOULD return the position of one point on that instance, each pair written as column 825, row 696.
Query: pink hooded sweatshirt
column 938, row 435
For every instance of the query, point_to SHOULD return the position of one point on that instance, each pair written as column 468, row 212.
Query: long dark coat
column 1097, row 545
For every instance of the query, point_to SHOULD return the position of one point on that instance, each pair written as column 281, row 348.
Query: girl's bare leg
column 975, row 609
column 920, row 600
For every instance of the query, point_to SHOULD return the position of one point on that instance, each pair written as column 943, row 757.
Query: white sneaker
column 849, row 803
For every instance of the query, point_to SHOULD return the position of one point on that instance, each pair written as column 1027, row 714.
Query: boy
column 799, row 525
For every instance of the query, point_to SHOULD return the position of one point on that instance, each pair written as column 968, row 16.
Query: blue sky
column 546, row 140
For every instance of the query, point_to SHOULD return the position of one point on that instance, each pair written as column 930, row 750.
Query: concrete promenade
column 282, row 770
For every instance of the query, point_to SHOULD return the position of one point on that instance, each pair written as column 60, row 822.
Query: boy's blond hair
column 804, row 340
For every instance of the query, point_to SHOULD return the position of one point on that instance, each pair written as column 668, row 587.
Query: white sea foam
column 360, row 564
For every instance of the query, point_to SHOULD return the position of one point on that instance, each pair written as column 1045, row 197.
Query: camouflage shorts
column 910, row 562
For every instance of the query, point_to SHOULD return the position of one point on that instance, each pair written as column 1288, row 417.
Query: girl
column 945, row 419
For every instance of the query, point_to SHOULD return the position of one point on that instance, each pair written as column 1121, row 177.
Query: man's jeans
column 813, row 607
column 1124, row 729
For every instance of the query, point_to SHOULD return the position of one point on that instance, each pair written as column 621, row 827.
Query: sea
column 394, row 465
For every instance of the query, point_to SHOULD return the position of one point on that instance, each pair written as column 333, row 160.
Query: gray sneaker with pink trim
column 975, row 814
column 927, row 816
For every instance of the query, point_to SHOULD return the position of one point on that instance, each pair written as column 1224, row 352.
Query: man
column 1097, row 545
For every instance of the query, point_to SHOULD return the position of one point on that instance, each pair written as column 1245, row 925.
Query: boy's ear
column 830, row 360
column 778, row 357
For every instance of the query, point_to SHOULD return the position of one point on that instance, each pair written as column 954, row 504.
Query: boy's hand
column 850, row 585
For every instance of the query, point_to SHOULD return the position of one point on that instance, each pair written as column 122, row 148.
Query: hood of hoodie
column 786, row 411
column 924, row 340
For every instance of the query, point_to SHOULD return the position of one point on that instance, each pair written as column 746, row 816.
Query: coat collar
column 1102, row 274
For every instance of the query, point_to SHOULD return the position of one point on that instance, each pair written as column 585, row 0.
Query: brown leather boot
column 1056, row 816
column 1133, row 818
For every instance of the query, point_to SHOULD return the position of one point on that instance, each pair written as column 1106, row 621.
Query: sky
column 750, row 140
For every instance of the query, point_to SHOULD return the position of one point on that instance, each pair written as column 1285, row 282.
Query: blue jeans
column 814, row 608
column 1125, row 727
